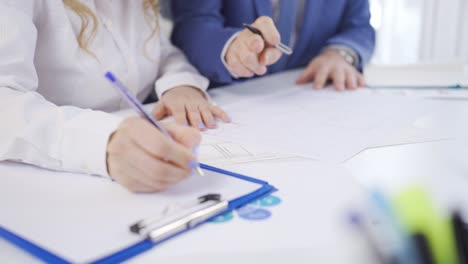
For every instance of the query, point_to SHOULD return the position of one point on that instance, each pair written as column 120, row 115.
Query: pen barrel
column 283, row 48
column 187, row 222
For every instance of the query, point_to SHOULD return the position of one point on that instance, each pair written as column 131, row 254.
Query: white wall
column 420, row 30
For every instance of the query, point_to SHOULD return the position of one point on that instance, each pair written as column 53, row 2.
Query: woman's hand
column 189, row 105
column 142, row 159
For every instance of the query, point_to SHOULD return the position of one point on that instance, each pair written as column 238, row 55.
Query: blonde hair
column 87, row 16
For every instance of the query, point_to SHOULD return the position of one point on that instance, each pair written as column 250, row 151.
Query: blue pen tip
column 111, row 77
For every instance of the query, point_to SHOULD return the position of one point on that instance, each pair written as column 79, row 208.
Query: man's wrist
column 224, row 52
column 348, row 54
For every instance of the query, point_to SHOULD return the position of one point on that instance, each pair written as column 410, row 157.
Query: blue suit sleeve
column 200, row 32
column 356, row 31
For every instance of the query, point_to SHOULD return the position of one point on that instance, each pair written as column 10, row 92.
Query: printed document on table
column 325, row 125
column 218, row 152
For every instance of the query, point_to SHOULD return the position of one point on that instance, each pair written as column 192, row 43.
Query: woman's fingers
column 220, row 113
column 142, row 159
column 207, row 116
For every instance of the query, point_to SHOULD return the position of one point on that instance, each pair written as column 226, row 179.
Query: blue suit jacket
column 202, row 28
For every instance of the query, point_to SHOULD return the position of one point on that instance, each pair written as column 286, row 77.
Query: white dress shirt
column 51, row 91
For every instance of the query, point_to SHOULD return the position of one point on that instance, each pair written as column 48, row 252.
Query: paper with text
column 324, row 125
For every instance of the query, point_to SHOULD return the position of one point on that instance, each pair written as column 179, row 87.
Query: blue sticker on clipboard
column 223, row 218
column 254, row 211
column 269, row 201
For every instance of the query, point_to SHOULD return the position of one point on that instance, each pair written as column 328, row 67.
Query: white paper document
column 83, row 218
column 324, row 125
column 218, row 152
column 310, row 222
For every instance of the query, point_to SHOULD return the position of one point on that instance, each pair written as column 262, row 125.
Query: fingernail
column 213, row 123
column 193, row 164
column 229, row 119
column 201, row 126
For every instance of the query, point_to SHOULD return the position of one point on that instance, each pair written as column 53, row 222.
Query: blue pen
column 139, row 108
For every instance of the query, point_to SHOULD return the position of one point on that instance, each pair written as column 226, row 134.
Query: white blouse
column 53, row 95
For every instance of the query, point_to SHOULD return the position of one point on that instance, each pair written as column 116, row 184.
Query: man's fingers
column 235, row 64
column 361, row 80
column 339, row 79
column 270, row 56
column 321, row 78
column 238, row 68
column 307, row 75
column 254, row 42
column 267, row 27
column 351, row 80
column 250, row 60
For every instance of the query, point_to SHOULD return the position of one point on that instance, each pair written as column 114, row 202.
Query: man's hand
column 332, row 66
column 249, row 54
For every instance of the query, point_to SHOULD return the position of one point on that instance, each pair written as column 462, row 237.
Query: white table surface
column 321, row 190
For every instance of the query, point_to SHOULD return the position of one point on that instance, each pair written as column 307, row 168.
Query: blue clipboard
column 146, row 244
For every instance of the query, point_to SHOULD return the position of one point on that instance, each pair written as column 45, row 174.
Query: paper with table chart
column 218, row 152
column 324, row 125
column 217, row 149
column 44, row 207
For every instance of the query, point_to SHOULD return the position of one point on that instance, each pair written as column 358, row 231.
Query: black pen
column 423, row 249
column 282, row 47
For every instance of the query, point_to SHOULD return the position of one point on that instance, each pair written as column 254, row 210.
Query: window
column 410, row 31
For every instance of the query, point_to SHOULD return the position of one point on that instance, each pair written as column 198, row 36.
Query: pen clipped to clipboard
column 171, row 221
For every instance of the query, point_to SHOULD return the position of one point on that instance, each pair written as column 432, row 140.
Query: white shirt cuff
column 84, row 143
column 168, row 82
column 224, row 51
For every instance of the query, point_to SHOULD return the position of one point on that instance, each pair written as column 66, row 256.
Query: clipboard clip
column 160, row 228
